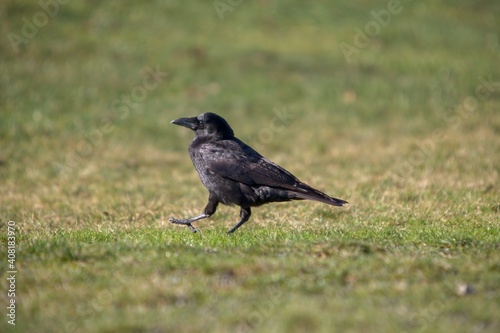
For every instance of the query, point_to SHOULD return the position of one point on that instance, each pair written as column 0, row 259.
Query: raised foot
column 184, row 222
column 177, row 221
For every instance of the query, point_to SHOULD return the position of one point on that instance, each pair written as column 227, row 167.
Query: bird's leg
column 210, row 209
column 245, row 215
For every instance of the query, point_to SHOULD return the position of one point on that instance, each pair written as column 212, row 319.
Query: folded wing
column 233, row 159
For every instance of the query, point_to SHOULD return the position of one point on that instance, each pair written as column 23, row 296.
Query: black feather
column 234, row 173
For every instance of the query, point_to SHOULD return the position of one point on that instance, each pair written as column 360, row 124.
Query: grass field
column 391, row 106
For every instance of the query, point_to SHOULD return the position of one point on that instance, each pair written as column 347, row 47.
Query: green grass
column 91, row 180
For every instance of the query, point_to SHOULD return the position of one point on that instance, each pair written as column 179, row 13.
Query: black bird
column 235, row 174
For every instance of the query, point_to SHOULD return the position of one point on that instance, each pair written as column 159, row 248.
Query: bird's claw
column 184, row 222
column 175, row 221
column 193, row 229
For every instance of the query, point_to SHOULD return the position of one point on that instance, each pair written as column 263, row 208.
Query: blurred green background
column 390, row 105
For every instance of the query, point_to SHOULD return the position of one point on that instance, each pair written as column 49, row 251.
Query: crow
column 235, row 174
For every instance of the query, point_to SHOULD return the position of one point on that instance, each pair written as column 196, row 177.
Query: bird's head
column 207, row 125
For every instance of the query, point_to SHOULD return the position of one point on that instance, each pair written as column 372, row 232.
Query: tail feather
column 309, row 193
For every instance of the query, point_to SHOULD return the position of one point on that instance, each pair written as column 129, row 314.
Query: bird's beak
column 191, row 123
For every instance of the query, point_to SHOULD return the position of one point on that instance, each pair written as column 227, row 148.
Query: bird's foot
column 193, row 229
column 184, row 222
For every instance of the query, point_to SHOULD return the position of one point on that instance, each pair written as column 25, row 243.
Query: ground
column 392, row 106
